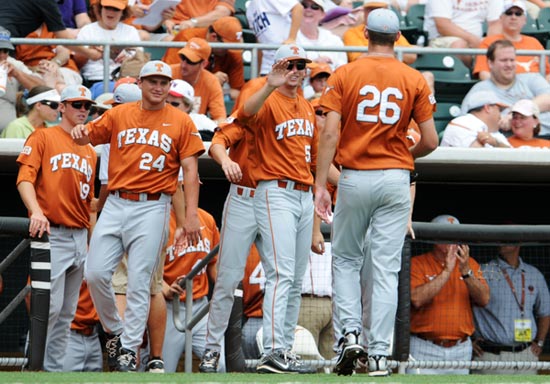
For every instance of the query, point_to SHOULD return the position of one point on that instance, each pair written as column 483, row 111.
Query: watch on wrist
column 540, row 343
column 57, row 61
column 194, row 21
column 467, row 275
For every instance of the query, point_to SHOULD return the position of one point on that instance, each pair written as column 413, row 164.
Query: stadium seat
column 452, row 78
column 543, row 24
column 157, row 53
column 445, row 112
column 415, row 21
column 304, row 344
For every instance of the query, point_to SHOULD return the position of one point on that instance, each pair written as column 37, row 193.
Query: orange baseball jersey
column 376, row 111
column 148, row 146
column 62, row 173
column 253, row 285
column 85, row 317
column 449, row 315
column 208, row 93
column 195, row 8
column 286, row 138
column 32, row 54
column 355, row 37
column 178, row 265
column 524, row 64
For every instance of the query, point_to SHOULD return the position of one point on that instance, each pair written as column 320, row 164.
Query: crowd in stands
column 508, row 107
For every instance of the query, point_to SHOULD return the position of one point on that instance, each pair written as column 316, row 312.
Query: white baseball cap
column 125, row 93
column 320, row 3
column 527, row 108
column 445, row 219
column 515, row 3
column 481, row 98
column 76, row 92
column 383, row 20
column 156, row 68
column 181, row 88
column 291, row 52
column 101, row 99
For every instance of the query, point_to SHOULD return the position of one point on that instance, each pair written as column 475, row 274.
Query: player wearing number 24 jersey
column 374, row 99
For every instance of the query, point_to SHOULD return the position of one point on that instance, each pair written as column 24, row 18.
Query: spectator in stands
column 182, row 96
column 35, row 55
column 318, row 75
column 226, row 64
column 75, row 15
column 19, row 77
column 356, row 36
column 338, row 19
column 515, row 323
column 513, row 20
column 274, row 22
column 311, row 35
column 509, row 87
column 253, row 299
column 192, row 68
column 108, row 27
column 43, row 106
column 534, row 7
column 445, row 283
column 479, row 127
column 525, row 126
column 198, row 14
column 459, row 24
column 176, row 266
column 22, row 17
column 83, row 352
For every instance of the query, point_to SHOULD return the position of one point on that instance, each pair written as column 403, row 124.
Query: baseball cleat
column 112, row 346
column 155, row 365
column 378, row 366
column 126, row 361
column 282, row 362
column 209, row 361
column 350, row 352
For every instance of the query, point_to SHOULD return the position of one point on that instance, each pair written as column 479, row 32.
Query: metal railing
column 254, row 48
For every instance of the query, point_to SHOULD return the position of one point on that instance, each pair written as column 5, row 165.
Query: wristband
column 194, row 21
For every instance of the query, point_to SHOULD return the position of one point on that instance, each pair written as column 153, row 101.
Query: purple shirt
column 69, row 9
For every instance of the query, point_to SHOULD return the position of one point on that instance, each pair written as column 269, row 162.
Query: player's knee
column 96, row 277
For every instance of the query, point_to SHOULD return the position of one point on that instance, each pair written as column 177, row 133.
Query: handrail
column 255, row 47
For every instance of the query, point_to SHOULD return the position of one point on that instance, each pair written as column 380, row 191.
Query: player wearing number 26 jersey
column 374, row 99
column 56, row 183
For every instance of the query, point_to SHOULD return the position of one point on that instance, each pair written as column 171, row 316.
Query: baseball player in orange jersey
column 149, row 140
column 56, row 184
column 285, row 145
column 237, row 223
column 176, row 266
column 373, row 192
column 84, row 348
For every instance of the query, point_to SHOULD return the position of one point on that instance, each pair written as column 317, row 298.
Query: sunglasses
column 312, row 6
column 299, row 64
column 4, row 50
column 516, row 13
column 79, row 104
column 49, row 103
column 183, row 58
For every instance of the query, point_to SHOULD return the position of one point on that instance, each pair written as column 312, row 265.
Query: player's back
column 377, row 96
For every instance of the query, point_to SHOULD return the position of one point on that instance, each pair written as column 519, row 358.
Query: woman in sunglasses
column 43, row 104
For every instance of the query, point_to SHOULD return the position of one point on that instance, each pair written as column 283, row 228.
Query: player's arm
column 231, row 169
column 191, row 227
column 275, row 79
column 178, row 205
column 428, row 139
column 296, row 15
column 328, row 138
column 38, row 221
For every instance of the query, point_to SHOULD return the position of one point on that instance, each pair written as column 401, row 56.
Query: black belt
column 496, row 348
column 55, row 225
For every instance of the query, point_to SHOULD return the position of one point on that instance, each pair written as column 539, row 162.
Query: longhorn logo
column 159, row 67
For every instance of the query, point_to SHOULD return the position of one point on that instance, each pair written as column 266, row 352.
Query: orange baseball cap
column 118, row 4
column 376, row 4
column 196, row 49
column 229, row 28
column 318, row 68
